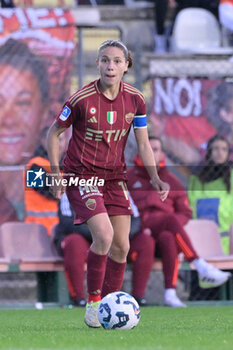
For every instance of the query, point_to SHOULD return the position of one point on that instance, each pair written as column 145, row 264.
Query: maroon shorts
column 112, row 198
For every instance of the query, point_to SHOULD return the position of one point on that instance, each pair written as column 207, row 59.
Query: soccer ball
column 118, row 310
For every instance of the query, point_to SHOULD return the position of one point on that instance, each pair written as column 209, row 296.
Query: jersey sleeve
column 140, row 121
column 66, row 116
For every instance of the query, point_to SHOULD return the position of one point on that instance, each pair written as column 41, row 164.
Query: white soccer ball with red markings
column 118, row 310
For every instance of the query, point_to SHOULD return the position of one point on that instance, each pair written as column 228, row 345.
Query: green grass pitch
column 160, row 328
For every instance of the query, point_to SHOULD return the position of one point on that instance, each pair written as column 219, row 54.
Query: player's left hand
column 162, row 188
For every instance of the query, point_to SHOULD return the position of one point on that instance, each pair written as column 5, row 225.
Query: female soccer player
column 101, row 115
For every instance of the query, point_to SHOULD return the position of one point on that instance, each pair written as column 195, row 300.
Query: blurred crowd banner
column 36, row 63
column 192, row 100
column 44, row 3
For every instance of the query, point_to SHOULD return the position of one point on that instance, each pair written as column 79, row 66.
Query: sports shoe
column 172, row 300
column 210, row 277
column 79, row 302
column 91, row 315
column 141, row 301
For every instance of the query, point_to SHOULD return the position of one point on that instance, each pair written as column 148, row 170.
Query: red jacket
column 147, row 199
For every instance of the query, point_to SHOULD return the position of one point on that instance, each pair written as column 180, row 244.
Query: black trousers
column 161, row 8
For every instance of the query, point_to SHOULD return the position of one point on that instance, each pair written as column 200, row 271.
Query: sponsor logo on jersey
column 129, row 117
column 65, row 113
column 112, row 135
column 91, row 204
column 92, row 120
column 92, row 134
column 92, row 110
column 111, row 117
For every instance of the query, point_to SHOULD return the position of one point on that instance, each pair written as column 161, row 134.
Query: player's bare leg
column 116, row 260
column 102, row 235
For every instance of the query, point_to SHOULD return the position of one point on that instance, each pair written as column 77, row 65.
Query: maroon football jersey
column 100, row 129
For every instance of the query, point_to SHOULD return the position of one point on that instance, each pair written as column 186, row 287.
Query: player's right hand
column 56, row 188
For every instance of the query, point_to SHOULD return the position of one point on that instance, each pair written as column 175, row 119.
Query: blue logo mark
column 65, row 113
column 35, row 178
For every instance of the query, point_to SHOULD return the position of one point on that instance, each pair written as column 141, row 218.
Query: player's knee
column 103, row 241
column 120, row 251
column 125, row 248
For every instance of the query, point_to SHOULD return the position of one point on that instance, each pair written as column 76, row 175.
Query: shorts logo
column 35, row 178
column 91, row 204
column 65, row 113
column 111, row 117
column 129, row 117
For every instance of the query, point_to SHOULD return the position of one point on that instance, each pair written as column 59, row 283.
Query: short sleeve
column 66, row 116
column 140, row 120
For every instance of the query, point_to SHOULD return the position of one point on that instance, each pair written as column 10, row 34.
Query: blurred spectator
column 165, row 220
column 7, row 3
column 219, row 111
column 73, row 242
column 40, row 205
column 210, row 191
column 226, row 19
column 99, row 2
column 210, row 5
column 161, row 10
column 226, row 13
column 161, row 37
column 141, row 256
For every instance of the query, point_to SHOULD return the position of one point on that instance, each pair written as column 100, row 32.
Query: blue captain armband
column 139, row 122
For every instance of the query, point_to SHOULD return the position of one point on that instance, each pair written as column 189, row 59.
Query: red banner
column 188, row 112
column 36, row 63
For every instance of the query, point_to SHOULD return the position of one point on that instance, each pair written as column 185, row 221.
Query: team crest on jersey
column 91, row 204
column 129, row 117
column 65, row 113
column 111, row 117
column 92, row 110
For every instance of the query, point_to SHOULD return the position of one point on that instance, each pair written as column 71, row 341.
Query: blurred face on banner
column 227, row 113
column 220, row 109
column 21, row 115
